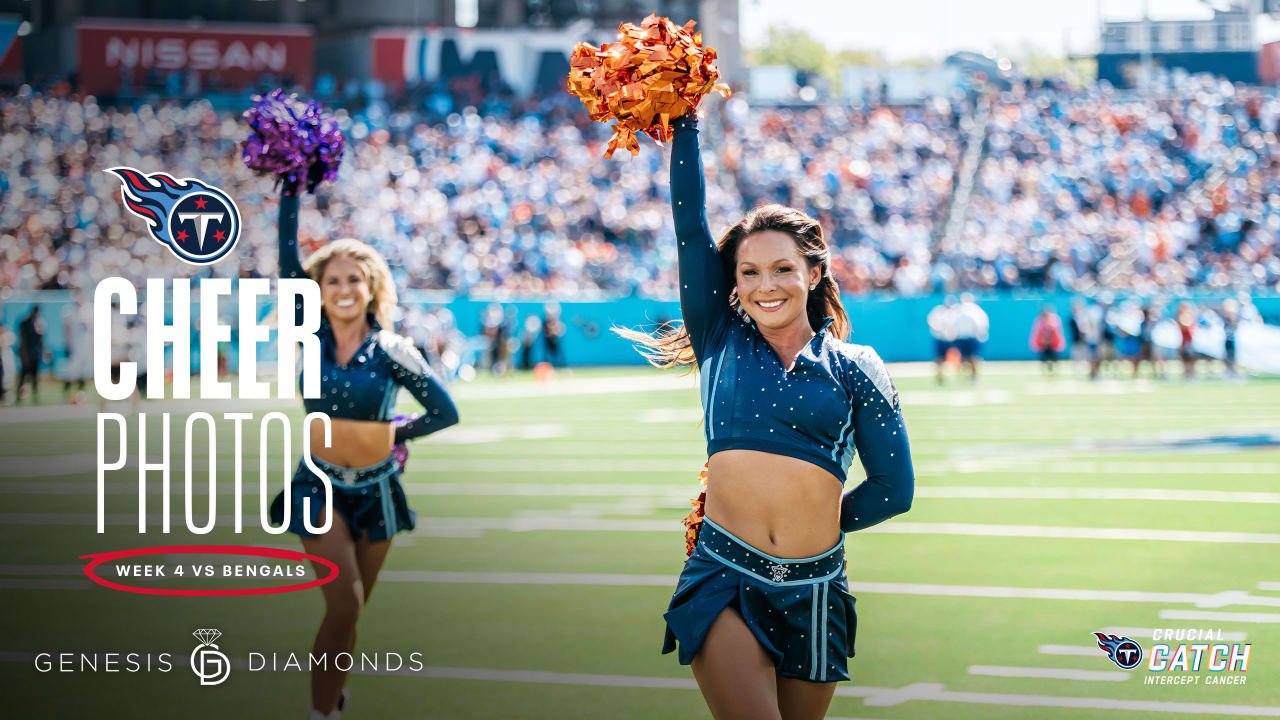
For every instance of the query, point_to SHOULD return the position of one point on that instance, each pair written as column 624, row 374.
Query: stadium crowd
column 1079, row 190
column 1148, row 192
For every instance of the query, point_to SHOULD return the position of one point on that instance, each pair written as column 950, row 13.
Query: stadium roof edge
column 128, row 24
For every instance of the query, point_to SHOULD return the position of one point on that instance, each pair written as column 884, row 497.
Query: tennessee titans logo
column 197, row 222
column 1125, row 653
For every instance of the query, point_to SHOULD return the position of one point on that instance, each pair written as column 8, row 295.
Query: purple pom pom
column 292, row 140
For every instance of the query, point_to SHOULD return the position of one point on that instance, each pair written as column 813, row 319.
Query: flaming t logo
column 198, row 222
column 1125, row 653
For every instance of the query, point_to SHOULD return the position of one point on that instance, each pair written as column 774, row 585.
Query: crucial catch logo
column 197, row 222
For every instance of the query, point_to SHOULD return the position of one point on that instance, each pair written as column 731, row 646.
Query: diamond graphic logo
column 207, row 661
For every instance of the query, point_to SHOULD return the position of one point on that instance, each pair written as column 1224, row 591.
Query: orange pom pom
column 693, row 521
column 657, row 71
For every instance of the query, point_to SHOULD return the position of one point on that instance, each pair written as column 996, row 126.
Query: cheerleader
column 362, row 368
column 762, row 609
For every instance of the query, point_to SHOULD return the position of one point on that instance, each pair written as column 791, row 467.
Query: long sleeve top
column 367, row 387
column 836, row 401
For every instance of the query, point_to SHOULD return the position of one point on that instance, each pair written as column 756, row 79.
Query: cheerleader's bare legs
column 344, row 600
column 738, row 679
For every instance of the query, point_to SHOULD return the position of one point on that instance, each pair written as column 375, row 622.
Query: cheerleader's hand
column 400, row 451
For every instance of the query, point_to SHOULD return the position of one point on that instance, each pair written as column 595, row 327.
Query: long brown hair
column 671, row 346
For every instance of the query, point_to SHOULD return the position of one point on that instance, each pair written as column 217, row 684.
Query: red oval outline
column 99, row 558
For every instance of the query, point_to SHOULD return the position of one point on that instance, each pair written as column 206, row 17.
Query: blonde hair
column 671, row 346
column 382, row 290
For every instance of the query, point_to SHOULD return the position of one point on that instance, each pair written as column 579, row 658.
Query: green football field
column 548, row 542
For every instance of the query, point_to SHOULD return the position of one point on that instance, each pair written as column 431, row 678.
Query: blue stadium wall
column 1235, row 66
column 894, row 326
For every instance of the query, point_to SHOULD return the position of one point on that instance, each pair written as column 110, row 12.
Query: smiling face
column 773, row 279
column 344, row 289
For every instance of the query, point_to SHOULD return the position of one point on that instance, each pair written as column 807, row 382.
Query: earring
column 813, row 287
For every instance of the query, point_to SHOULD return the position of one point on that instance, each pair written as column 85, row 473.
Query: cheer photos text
column 117, row 296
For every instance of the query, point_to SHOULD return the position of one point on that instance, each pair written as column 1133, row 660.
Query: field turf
column 548, row 542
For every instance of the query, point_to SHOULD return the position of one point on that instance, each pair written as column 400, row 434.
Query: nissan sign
column 228, row 56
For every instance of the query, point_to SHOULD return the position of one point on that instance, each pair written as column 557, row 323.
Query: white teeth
column 345, row 303
column 770, row 303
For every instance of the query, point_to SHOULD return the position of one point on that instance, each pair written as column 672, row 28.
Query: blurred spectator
column 529, row 340
column 1230, row 323
column 30, row 353
column 942, row 327
column 1146, row 343
column 552, row 334
column 1088, row 329
column 6, row 363
column 77, row 334
column 971, row 329
column 1187, row 320
column 497, row 332
column 1047, row 339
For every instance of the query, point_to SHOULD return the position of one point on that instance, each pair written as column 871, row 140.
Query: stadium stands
column 1076, row 190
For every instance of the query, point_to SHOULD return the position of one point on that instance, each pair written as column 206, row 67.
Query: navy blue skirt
column 799, row 610
column 370, row 499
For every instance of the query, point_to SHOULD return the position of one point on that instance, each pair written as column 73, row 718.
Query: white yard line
column 585, row 522
column 873, row 696
column 427, row 525
column 1044, row 531
column 40, row 570
column 640, row 382
column 1202, row 600
column 89, row 411
column 1269, row 586
column 1095, row 493
column 937, row 693
column 45, row 584
column 955, row 398
column 482, row 434
column 682, row 492
column 560, row 388
column 1083, row 650
column 33, row 466
column 526, row 578
column 661, row 459
column 1220, row 616
column 1049, row 673
column 1055, row 465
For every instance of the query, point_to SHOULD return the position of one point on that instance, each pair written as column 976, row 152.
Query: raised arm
column 411, row 372
column 704, row 288
column 287, row 236
column 880, row 437
column 287, row 233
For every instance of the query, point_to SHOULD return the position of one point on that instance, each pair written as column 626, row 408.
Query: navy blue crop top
column 836, row 400
column 366, row 388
